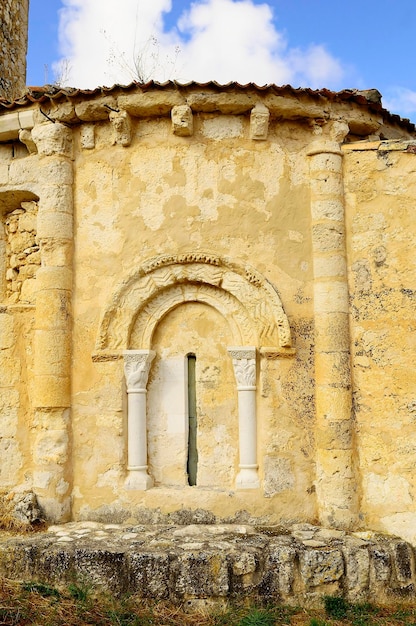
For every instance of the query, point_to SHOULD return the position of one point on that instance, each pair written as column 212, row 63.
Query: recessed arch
column 12, row 198
column 250, row 303
column 149, row 316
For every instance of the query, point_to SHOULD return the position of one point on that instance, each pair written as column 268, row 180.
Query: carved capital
column 244, row 363
column 52, row 139
column 136, row 368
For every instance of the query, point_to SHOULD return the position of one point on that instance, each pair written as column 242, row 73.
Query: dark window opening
column 192, row 462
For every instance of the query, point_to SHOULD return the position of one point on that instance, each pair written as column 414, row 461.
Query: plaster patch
column 278, row 476
column 222, row 127
column 401, row 524
column 390, row 491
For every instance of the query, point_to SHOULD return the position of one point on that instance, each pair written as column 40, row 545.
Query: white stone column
column 136, row 368
column 244, row 363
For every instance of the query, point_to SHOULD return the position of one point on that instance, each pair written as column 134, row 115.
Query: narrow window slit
column 192, row 462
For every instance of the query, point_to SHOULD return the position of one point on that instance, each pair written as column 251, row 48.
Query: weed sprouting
column 357, row 614
column 362, row 608
column 317, row 622
column 336, row 607
column 32, row 603
column 257, row 617
column 80, row 592
column 405, row 614
column 42, row 589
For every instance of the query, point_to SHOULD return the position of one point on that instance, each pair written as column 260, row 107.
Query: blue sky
column 308, row 43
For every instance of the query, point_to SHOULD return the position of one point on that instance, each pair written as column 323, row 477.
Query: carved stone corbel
column 121, row 127
column 25, row 136
column 259, row 122
column 182, row 120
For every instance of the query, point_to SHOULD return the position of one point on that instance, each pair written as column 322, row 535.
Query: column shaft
column 335, row 479
column 247, row 427
column 137, row 436
column 244, row 362
column 136, row 368
column 52, row 475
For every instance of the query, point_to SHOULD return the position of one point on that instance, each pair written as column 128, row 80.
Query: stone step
column 194, row 563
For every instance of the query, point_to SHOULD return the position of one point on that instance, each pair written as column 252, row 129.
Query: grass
column 7, row 519
column 34, row 603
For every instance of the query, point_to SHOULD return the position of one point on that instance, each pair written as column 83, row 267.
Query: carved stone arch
column 242, row 329
column 239, row 292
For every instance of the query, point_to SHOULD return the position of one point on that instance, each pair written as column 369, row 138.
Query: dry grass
column 8, row 521
column 37, row 604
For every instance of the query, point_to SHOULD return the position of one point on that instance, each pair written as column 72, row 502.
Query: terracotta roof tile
column 370, row 99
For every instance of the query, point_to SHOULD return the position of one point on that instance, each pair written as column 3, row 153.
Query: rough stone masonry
column 13, row 47
column 217, row 281
column 196, row 564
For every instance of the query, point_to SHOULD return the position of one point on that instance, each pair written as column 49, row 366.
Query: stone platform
column 195, row 563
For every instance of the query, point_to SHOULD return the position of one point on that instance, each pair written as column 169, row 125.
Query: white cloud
column 222, row 40
column 233, row 41
column 400, row 99
column 315, row 66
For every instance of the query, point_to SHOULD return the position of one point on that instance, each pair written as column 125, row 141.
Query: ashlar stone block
column 7, row 332
column 279, row 571
column 357, row 569
column 321, row 567
column 150, row 574
column 202, row 574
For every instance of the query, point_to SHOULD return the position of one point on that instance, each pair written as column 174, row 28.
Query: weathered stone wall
column 37, row 353
column 13, row 47
column 196, row 565
column 380, row 199
column 22, row 253
column 99, row 411
column 223, row 193
column 16, row 389
column 259, row 239
column 19, row 263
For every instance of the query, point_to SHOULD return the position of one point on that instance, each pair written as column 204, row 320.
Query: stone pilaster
column 136, row 368
column 244, row 363
column 53, row 322
column 336, row 484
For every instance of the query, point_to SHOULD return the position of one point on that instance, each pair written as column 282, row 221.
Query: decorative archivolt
column 246, row 299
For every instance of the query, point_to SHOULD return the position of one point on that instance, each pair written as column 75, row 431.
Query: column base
column 139, row 480
column 247, row 478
